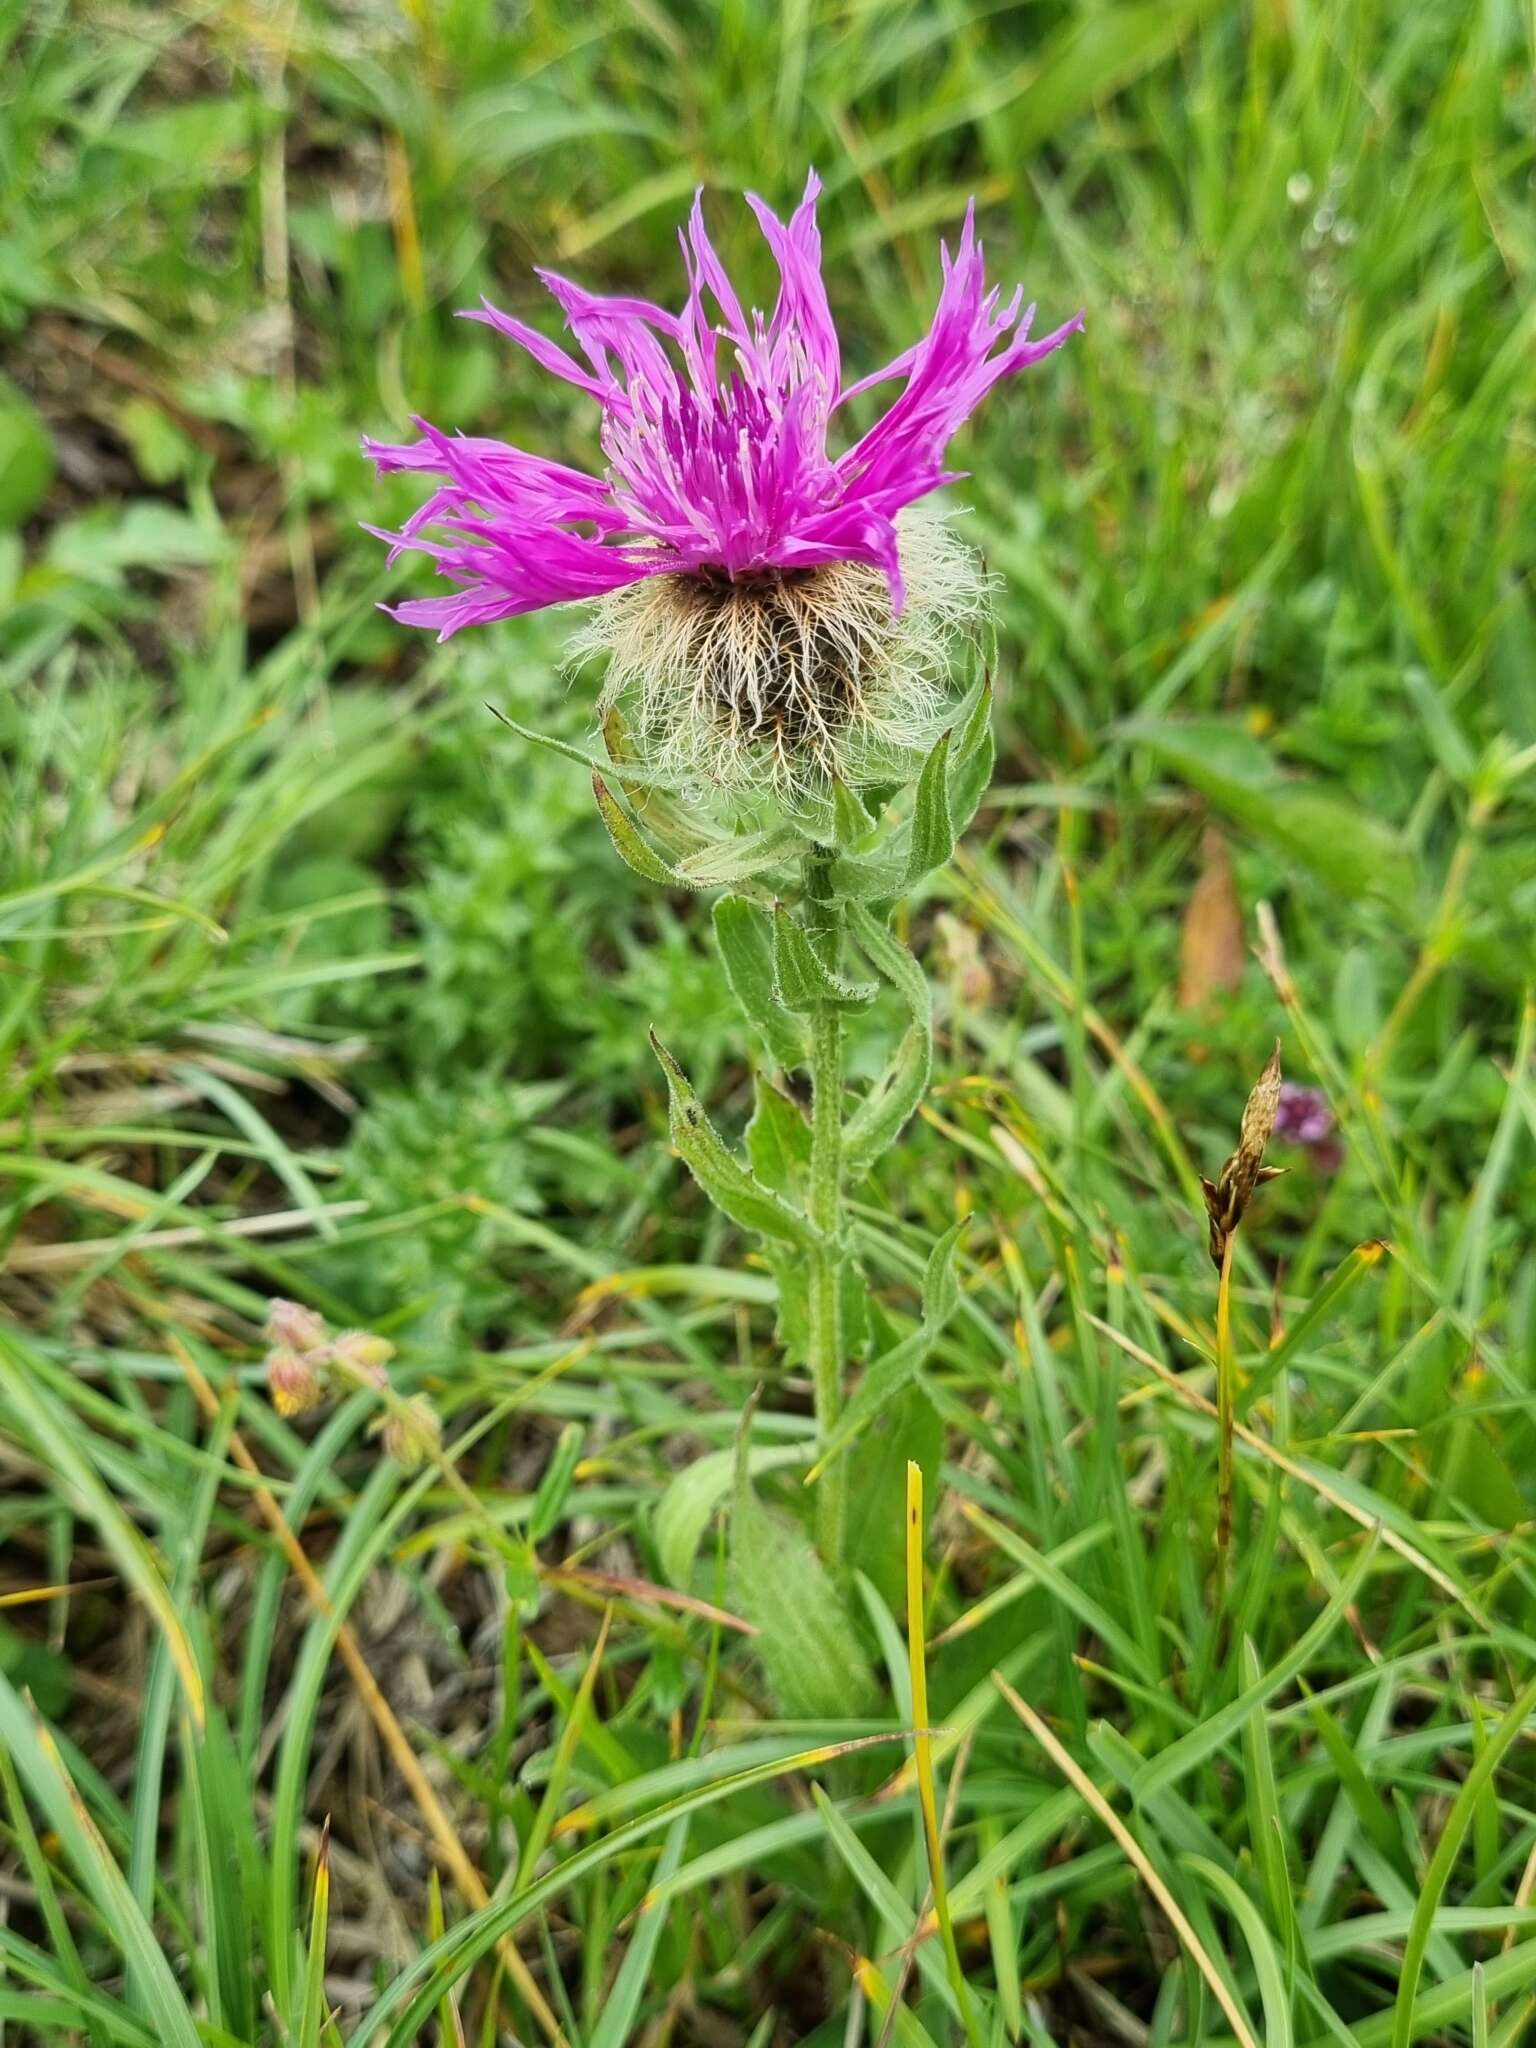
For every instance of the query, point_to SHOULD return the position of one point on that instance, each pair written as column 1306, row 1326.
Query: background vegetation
column 315, row 981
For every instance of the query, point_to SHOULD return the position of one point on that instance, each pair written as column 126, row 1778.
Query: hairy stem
column 1226, row 1396
column 826, row 1318
column 823, row 926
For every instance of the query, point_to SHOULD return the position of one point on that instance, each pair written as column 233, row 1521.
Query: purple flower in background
column 1305, row 1117
column 715, row 466
column 1303, row 1114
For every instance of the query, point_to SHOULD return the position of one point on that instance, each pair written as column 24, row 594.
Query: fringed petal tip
column 714, row 434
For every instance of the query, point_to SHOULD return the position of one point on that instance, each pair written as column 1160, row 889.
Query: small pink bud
column 292, row 1381
column 363, row 1356
column 293, row 1326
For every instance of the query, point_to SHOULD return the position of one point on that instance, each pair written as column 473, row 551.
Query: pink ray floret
column 714, row 428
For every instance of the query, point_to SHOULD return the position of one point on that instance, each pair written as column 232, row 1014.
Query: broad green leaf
column 907, row 1429
column 791, row 1280
column 684, row 1510
column 778, row 1141
column 26, row 456
column 806, row 1639
column 729, row 1184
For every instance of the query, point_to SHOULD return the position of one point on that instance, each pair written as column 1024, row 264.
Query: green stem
column 823, row 927
column 826, row 1317
column 1226, row 1397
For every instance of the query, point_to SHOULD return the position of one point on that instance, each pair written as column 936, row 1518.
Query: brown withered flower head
column 1227, row 1199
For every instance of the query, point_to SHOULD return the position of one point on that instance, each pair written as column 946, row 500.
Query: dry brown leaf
column 1211, row 952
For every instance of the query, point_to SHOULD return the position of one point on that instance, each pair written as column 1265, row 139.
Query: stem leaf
column 807, row 1640
column 805, row 982
column 899, row 1366
column 744, row 935
column 933, row 825
column 728, row 1184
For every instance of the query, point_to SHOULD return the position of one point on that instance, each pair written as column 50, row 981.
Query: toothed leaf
column 729, row 1185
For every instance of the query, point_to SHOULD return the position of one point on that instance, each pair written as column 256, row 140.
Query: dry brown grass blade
column 456, row 1859
column 80, row 1251
column 1098, row 1805
column 646, row 1590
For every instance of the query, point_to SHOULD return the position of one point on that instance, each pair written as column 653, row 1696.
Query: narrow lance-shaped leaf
column 312, row 2014
column 881, row 1116
column 556, row 1482
column 933, row 828
column 735, row 860
column 884, row 1113
column 899, row 1366
column 719, row 1173
column 630, row 775
column 851, row 820
column 632, row 847
column 972, row 767
column 805, row 981
column 744, row 935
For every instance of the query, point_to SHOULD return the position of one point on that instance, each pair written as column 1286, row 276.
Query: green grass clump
column 315, row 982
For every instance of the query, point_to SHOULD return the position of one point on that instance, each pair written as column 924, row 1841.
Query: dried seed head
column 290, row 1323
column 777, row 680
column 1227, row 1200
column 292, row 1381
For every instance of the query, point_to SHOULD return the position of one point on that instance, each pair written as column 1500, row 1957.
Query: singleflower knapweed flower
column 771, row 611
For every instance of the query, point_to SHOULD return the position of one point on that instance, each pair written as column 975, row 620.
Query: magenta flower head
column 772, row 611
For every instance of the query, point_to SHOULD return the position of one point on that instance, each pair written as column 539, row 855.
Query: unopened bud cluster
column 305, row 1365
